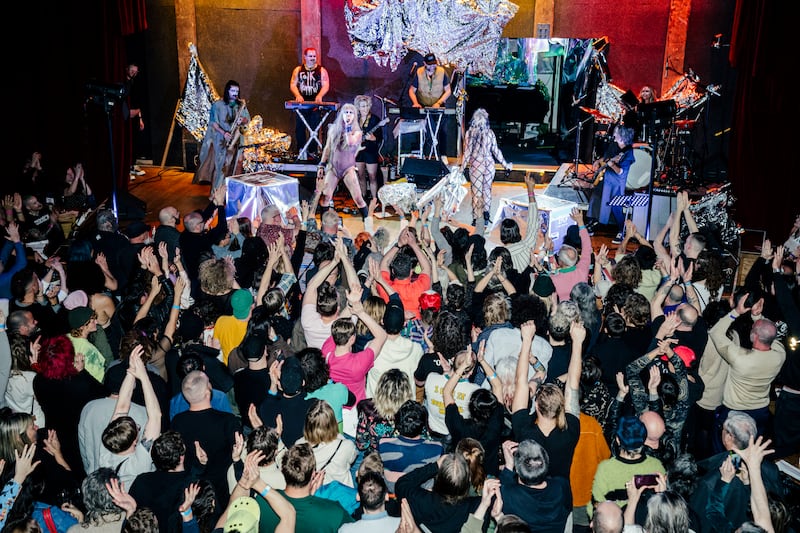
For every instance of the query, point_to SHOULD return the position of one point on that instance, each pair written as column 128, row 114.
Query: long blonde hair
column 336, row 136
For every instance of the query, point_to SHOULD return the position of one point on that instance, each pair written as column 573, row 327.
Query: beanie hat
column 543, row 286
column 241, row 301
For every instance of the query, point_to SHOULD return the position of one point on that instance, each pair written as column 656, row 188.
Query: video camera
column 104, row 94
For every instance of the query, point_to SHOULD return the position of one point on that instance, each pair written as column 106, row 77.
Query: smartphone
column 736, row 459
column 645, row 480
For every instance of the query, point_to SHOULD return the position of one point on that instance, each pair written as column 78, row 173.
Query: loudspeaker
column 424, row 173
column 130, row 207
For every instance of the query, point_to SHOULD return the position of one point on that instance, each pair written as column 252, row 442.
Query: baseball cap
column 79, row 316
column 430, row 59
column 135, row 229
column 543, row 286
column 241, row 301
column 430, row 299
column 291, row 376
column 190, row 326
column 631, row 433
column 75, row 299
column 394, row 317
column 243, row 516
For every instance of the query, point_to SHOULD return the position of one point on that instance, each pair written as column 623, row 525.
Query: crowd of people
column 283, row 374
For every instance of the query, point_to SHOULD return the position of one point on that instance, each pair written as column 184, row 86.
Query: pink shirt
column 349, row 369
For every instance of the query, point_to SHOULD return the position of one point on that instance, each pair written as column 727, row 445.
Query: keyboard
column 294, row 104
column 416, row 112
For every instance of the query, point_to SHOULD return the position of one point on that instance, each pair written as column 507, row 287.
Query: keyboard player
column 309, row 83
column 430, row 87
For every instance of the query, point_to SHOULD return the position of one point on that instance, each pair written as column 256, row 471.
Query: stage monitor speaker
column 130, row 207
column 424, row 173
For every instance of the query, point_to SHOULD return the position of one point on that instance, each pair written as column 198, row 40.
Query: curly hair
column 57, row 358
column 583, row 295
column 708, row 267
column 565, row 314
column 636, row 309
column 134, row 338
column 449, row 335
column 616, row 296
column 527, row 307
column 392, row 391
column 167, row 450
column 96, row 498
column 496, row 309
column 216, row 276
column 142, row 520
column 628, row 271
column 264, row 439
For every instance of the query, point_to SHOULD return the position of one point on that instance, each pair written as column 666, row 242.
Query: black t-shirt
column 560, row 444
column 162, row 492
column 695, row 339
column 292, row 410
column 250, row 387
column 428, row 364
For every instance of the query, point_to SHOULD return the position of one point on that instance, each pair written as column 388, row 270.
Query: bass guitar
column 598, row 175
column 372, row 130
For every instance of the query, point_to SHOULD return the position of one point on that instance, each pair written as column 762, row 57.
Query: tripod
column 572, row 176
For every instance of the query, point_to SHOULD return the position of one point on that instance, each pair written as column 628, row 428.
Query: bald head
column 607, row 518
column 763, row 333
column 168, row 216
column 654, row 425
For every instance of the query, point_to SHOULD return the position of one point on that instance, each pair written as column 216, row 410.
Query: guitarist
column 368, row 157
column 611, row 175
column 227, row 115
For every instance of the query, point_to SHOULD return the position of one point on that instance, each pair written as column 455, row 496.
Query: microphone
column 713, row 89
column 413, row 69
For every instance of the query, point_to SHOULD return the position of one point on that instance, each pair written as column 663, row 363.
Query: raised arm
column 571, row 392
column 521, row 391
column 310, row 297
column 152, row 429
column 354, row 302
column 349, row 271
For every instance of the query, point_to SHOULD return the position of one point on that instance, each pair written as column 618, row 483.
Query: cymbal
column 595, row 113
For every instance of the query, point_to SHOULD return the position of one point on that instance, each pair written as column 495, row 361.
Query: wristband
column 2, row 326
column 493, row 376
column 187, row 512
column 733, row 317
column 687, row 282
column 176, row 307
column 581, row 227
column 272, row 393
column 265, row 492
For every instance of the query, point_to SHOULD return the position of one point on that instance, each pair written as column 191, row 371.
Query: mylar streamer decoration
column 198, row 95
column 462, row 33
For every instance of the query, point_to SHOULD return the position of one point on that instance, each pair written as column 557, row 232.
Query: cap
column 430, row 299
column 243, row 516
column 430, row 59
column 686, row 354
column 241, row 301
column 135, row 229
column 631, row 433
column 79, row 316
column 75, row 299
column 543, row 286
column 291, row 376
column 394, row 317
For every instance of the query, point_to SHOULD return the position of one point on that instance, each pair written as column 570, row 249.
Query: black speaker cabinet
column 424, row 173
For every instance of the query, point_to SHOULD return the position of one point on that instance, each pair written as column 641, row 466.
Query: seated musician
column 610, row 178
column 309, row 83
column 430, row 87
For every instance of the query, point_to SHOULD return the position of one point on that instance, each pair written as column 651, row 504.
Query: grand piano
column 522, row 104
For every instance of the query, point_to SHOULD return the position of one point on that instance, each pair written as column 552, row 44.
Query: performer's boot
column 486, row 217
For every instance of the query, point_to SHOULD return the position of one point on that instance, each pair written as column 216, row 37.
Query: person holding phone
column 338, row 160
column 613, row 475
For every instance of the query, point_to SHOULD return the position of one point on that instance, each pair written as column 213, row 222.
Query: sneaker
column 617, row 239
column 137, row 171
column 133, row 176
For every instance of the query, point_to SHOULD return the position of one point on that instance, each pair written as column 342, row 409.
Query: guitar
column 372, row 130
column 598, row 176
column 232, row 146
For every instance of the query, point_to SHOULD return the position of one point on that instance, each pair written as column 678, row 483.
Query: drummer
column 611, row 176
